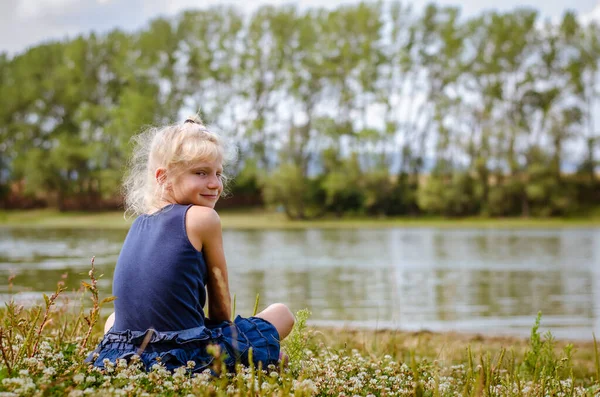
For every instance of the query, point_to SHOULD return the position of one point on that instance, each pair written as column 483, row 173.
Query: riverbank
column 323, row 361
column 261, row 219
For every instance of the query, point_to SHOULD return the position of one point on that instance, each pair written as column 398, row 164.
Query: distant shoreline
column 260, row 219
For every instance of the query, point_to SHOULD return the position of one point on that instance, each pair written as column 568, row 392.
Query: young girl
column 172, row 258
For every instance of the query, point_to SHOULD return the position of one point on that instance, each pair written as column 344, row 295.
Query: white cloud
column 37, row 8
column 593, row 15
column 29, row 22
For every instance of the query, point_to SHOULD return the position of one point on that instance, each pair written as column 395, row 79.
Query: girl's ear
column 161, row 176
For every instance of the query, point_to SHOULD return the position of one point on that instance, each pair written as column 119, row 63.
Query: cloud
column 30, row 22
column 36, row 8
column 593, row 15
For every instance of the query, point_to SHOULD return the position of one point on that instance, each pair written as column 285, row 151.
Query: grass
column 42, row 351
column 262, row 219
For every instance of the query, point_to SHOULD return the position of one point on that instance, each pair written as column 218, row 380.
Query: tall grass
column 42, row 350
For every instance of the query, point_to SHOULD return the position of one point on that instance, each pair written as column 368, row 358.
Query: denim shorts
column 175, row 348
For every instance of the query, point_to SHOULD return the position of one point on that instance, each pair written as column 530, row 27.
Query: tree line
column 365, row 109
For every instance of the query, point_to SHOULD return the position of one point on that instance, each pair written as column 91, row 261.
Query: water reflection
column 476, row 280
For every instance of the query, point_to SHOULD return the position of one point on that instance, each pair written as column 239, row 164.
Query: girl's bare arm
column 204, row 230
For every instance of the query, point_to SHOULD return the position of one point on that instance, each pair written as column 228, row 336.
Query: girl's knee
column 280, row 316
column 284, row 313
column 109, row 322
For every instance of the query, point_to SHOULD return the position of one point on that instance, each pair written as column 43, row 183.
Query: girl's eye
column 201, row 173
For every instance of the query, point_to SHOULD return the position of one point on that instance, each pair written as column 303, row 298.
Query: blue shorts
column 175, row 348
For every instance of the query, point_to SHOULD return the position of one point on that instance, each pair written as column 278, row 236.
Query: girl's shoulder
column 202, row 220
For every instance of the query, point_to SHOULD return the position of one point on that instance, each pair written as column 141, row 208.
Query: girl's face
column 200, row 184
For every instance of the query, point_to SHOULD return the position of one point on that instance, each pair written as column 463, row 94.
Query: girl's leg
column 109, row 322
column 280, row 316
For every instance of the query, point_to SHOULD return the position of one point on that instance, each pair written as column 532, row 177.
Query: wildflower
column 49, row 371
column 45, row 347
column 265, row 386
column 24, row 372
column 191, row 364
column 305, row 385
column 31, row 361
column 156, row 367
column 78, row 378
column 90, row 379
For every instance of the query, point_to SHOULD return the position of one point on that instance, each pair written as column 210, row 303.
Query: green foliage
column 247, row 181
column 541, row 360
column 430, row 196
column 455, row 196
column 505, row 198
column 297, row 342
column 496, row 100
column 343, row 186
column 298, row 196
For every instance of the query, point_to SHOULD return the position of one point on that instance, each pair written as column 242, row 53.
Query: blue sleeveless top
column 159, row 279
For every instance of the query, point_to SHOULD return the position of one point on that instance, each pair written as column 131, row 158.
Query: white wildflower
column 156, row 367
column 45, row 347
column 31, row 361
column 305, row 385
column 78, row 378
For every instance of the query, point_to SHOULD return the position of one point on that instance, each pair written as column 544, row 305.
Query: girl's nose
column 214, row 182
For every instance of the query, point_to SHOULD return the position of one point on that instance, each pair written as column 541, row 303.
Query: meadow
column 43, row 347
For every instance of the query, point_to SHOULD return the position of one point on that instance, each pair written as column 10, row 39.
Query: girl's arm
column 204, row 230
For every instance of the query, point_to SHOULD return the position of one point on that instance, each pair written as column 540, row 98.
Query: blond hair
column 173, row 147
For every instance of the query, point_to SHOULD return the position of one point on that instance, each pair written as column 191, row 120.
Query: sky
column 25, row 23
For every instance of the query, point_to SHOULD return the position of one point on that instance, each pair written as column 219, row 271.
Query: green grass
column 261, row 219
column 42, row 351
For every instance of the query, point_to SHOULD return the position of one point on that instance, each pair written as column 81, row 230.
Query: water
column 472, row 280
